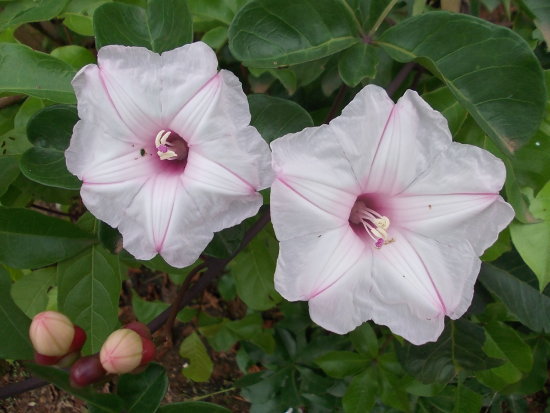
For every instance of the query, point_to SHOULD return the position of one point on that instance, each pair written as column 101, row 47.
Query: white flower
column 380, row 216
column 164, row 149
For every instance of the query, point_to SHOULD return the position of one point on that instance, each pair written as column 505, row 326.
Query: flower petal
column 456, row 199
column 413, row 135
column 215, row 122
column 346, row 304
column 184, row 71
column 131, row 78
column 360, row 126
column 310, row 264
column 313, row 180
column 417, row 281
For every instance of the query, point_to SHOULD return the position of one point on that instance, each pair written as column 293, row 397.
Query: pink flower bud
column 52, row 334
column 121, row 352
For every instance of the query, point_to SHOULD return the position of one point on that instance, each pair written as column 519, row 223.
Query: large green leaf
column 340, row 364
column 50, row 131
column 525, row 302
column 33, row 73
column 105, row 402
column 14, row 324
column 361, row 393
column 142, row 393
column 541, row 12
column 490, row 70
column 18, row 12
column 89, row 289
column 199, row 366
column 533, row 240
column 275, row 117
column 30, row 292
column 165, row 25
column 253, row 270
column 357, row 63
column 29, row 239
column 9, row 170
column 458, row 348
column 505, row 343
column 272, row 33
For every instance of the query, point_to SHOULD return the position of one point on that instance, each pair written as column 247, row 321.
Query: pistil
column 375, row 224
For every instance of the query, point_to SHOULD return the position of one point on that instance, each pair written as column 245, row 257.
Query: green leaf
column 357, row 63
column 216, row 37
column 200, row 366
column 361, row 393
column 146, row 311
column 275, row 117
column 29, row 239
column 89, row 289
column 50, row 130
column 76, row 56
column 77, row 16
column 25, row 11
column 217, row 10
column 540, row 9
column 253, row 270
column 443, row 101
column 33, row 73
column 525, row 302
column 533, row 240
column 305, row 30
column 505, row 343
column 30, row 292
column 364, row 340
column 458, row 348
column 14, row 324
column 192, row 407
column 467, row 400
column 489, row 69
column 225, row 242
column 340, row 364
column 165, row 25
column 143, row 392
column 106, row 402
column 9, row 170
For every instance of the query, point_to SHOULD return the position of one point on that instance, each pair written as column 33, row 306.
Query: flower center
column 375, row 224
column 170, row 146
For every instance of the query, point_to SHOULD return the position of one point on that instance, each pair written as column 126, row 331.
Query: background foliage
column 484, row 64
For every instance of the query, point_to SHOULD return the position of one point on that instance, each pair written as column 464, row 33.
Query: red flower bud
column 124, row 350
column 51, row 333
column 86, row 370
column 139, row 328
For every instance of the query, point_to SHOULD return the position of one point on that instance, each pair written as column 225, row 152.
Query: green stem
column 206, row 396
column 382, row 16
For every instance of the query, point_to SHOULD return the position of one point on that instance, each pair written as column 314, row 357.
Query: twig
column 400, row 78
column 51, row 211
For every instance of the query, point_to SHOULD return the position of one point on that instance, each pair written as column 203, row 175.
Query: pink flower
column 381, row 216
column 164, row 149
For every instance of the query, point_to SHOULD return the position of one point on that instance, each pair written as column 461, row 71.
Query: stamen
column 375, row 225
column 175, row 149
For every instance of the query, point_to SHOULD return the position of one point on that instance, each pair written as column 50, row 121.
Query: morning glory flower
column 164, row 149
column 381, row 216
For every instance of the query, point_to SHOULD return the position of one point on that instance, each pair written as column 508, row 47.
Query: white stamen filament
column 162, row 140
column 374, row 223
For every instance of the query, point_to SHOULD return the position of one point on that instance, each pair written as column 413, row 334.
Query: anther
column 375, row 225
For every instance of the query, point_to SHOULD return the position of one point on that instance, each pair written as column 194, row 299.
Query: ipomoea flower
column 164, row 149
column 381, row 216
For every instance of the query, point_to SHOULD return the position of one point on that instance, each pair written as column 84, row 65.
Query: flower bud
column 139, row 328
column 52, row 334
column 86, row 370
column 124, row 350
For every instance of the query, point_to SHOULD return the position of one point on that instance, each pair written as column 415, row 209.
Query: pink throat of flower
column 375, row 224
column 170, row 146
